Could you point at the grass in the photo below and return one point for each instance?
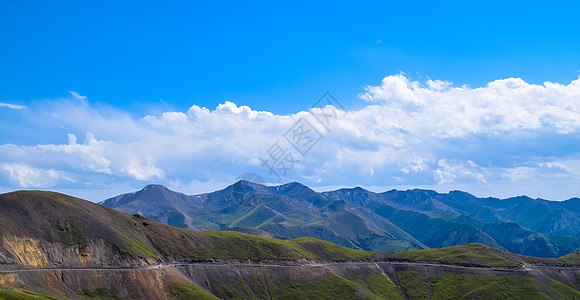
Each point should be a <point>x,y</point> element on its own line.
<point>200,223</point>
<point>255,218</point>
<point>559,290</point>
<point>190,291</point>
<point>262,287</point>
<point>232,214</point>
<point>228,290</point>
<point>97,293</point>
<point>303,216</point>
<point>235,245</point>
<point>135,244</point>
<point>468,286</point>
<point>336,252</point>
<point>468,254</point>
<point>413,284</point>
<point>382,286</point>
<point>57,201</point>
<point>12,295</point>
<point>572,258</point>
<point>330,286</point>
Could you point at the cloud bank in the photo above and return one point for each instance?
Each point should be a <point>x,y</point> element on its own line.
<point>491,139</point>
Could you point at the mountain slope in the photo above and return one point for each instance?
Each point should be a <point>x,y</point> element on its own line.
<point>360,219</point>
<point>440,220</point>
<point>51,230</point>
<point>543,216</point>
<point>83,233</point>
<point>287,211</point>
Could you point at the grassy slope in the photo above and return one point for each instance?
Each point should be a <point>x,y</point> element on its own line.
<point>469,254</point>
<point>559,290</point>
<point>23,295</point>
<point>572,258</point>
<point>413,284</point>
<point>327,286</point>
<point>332,251</point>
<point>190,291</point>
<point>382,286</point>
<point>75,222</point>
<point>467,286</point>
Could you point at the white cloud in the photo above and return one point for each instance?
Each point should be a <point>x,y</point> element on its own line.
<point>502,105</point>
<point>518,173</point>
<point>438,85</point>
<point>24,176</point>
<point>143,169</point>
<point>12,106</point>
<point>78,96</point>
<point>450,171</point>
<point>410,133</point>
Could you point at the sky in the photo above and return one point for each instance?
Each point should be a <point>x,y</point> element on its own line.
<point>99,98</point>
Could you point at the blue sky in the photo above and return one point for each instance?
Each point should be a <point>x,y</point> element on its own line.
<point>129,63</point>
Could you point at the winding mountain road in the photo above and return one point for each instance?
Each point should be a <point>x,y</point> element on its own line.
<point>523,268</point>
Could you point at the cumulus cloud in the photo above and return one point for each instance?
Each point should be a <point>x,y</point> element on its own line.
<point>502,105</point>
<point>410,133</point>
<point>24,176</point>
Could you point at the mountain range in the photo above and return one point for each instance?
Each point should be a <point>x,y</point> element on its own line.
<point>54,246</point>
<point>360,219</point>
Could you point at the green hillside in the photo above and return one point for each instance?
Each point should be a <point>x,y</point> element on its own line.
<point>469,254</point>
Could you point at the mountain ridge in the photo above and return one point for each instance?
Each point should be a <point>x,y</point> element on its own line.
<point>293,209</point>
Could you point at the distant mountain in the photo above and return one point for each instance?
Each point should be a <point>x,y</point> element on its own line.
<point>520,225</point>
<point>157,202</point>
<point>543,216</point>
<point>361,219</point>
<point>287,211</point>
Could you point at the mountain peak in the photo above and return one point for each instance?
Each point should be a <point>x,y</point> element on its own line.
<point>356,189</point>
<point>152,195</point>
<point>292,188</point>
<point>247,182</point>
<point>155,187</point>
<point>243,185</point>
<point>294,184</point>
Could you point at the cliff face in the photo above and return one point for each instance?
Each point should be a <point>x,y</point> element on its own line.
<point>138,284</point>
<point>369,281</point>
